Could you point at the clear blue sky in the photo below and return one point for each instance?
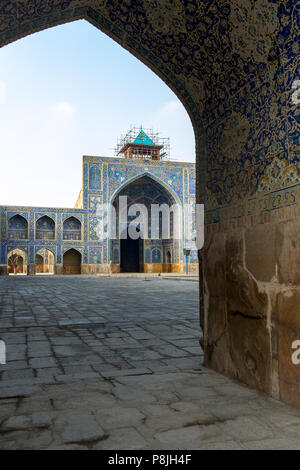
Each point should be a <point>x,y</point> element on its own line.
<point>70,91</point>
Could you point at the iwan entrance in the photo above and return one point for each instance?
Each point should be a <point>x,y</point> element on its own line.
<point>149,249</point>
<point>131,255</point>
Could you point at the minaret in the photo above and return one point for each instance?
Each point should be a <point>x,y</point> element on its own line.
<point>142,148</point>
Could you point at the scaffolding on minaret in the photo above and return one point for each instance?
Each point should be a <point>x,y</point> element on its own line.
<point>143,144</point>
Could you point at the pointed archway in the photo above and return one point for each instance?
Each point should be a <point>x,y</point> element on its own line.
<point>72,262</point>
<point>144,227</point>
<point>44,261</point>
<point>45,228</point>
<point>17,262</point>
<point>17,228</point>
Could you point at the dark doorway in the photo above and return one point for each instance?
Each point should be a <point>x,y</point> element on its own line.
<point>130,255</point>
<point>72,262</point>
<point>39,264</point>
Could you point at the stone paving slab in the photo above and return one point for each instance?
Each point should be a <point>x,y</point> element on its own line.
<point>78,323</point>
<point>115,363</point>
<point>111,414</point>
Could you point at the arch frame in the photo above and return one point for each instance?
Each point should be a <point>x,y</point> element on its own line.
<point>79,253</point>
<point>174,199</point>
<point>21,253</point>
<point>67,13</point>
<point>55,227</point>
<point>72,247</point>
<point>65,217</point>
<point>51,249</point>
<point>81,227</point>
<point>17,249</point>
<point>37,253</point>
<point>27,226</point>
<point>10,215</point>
<point>150,176</point>
<point>60,15</point>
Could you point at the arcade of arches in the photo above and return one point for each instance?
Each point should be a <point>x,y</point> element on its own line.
<point>44,262</point>
<point>235,67</point>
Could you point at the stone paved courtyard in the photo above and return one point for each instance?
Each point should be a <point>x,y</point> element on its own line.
<point>115,363</point>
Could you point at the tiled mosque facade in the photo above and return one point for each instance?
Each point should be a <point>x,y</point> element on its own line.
<point>84,229</point>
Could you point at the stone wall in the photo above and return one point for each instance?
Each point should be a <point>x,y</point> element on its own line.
<point>252,300</point>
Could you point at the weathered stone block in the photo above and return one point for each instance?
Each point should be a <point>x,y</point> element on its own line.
<point>249,346</point>
<point>237,339</point>
<point>80,427</point>
<point>217,349</point>
<point>31,269</point>
<point>3,269</point>
<point>58,269</point>
<point>288,331</point>
<point>260,252</point>
<point>288,252</point>
<point>215,265</point>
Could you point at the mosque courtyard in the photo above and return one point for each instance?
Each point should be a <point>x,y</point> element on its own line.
<point>95,362</point>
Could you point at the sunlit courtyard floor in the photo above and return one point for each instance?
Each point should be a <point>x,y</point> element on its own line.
<point>115,363</point>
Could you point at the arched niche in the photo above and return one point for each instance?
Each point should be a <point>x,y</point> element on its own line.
<point>44,261</point>
<point>45,228</point>
<point>72,261</point>
<point>72,229</point>
<point>17,262</point>
<point>17,228</point>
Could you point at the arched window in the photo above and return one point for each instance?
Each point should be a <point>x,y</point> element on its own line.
<point>17,228</point>
<point>45,228</point>
<point>156,255</point>
<point>72,229</point>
